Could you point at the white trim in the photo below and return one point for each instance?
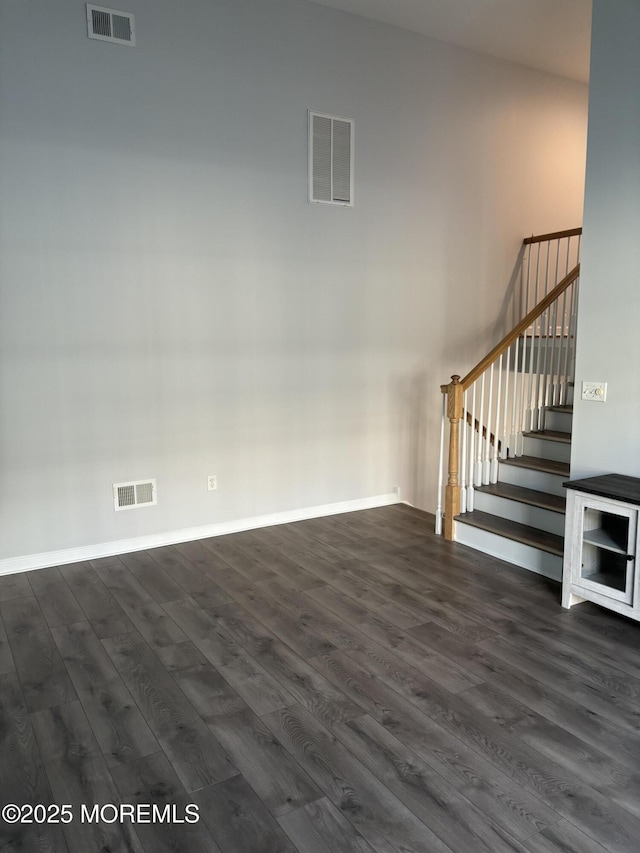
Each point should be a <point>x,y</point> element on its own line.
<point>12,565</point>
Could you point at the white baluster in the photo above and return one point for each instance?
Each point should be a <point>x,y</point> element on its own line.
<point>486,461</point>
<point>573,328</point>
<point>562,359</point>
<point>505,425</point>
<point>472,441</point>
<point>463,457</point>
<point>515,440</point>
<point>441,467</point>
<point>493,474</point>
<point>478,472</point>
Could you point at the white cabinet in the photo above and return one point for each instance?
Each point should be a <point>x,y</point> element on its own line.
<point>601,543</point>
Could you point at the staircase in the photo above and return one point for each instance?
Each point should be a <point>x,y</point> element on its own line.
<point>520,518</point>
<point>509,436</point>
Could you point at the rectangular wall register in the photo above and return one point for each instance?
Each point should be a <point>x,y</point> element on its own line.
<point>601,543</point>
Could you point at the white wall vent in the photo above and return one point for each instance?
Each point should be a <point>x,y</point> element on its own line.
<point>135,494</point>
<point>110,25</point>
<point>330,159</point>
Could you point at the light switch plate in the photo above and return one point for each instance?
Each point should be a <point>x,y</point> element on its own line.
<point>594,391</point>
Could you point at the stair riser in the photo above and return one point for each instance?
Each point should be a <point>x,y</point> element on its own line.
<point>549,565</point>
<point>543,448</point>
<point>560,421</point>
<point>532,479</point>
<point>533,516</point>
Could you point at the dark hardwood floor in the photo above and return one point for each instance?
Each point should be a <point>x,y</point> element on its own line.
<point>350,683</point>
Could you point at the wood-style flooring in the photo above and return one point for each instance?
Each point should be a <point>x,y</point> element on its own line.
<point>350,683</point>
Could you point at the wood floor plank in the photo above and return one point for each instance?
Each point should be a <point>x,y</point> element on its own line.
<point>197,757</point>
<point>78,775</point>
<point>195,582</point>
<point>233,583</point>
<point>23,779</point>
<point>223,548</point>
<point>239,820</point>
<point>581,758</point>
<point>39,666</point>
<point>7,664</point>
<point>559,708</point>
<point>201,557</point>
<point>301,680</point>
<point>395,645</point>
<point>180,656</point>
<point>616,655</point>
<point>372,809</point>
<point>621,710</point>
<point>209,692</point>
<point>320,828</point>
<point>605,674</point>
<point>277,562</point>
<point>289,628</point>
<point>563,837</point>
<point>148,617</point>
<point>504,801</point>
<point>432,603</point>
<point>102,611</point>
<point>541,776</point>
<point>374,596</point>
<point>116,721</point>
<point>317,563</point>
<point>246,676</point>
<point>453,818</point>
<point>57,602</point>
<point>152,781</point>
<point>280,782</point>
<point>391,533</point>
<point>14,586</point>
<point>150,574</point>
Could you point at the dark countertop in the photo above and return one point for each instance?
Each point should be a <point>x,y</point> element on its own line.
<point>617,487</point>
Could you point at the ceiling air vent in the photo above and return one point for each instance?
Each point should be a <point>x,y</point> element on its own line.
<point>135,494</point>
<point>110,25</point>
<point>330,159</point>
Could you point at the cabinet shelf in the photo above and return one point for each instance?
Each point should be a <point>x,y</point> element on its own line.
<point>602,538</point>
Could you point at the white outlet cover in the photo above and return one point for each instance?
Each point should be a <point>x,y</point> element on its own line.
<point>595,392</point>
<point>212,482</point>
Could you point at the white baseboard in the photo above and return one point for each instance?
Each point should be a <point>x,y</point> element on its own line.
<point>12,565</point>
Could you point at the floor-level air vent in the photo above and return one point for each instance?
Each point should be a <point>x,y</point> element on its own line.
<point>110,25</point>
<point>330,159</point>
<point>135,494</point>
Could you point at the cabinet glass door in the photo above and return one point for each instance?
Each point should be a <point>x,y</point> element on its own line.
<point>608,548</point>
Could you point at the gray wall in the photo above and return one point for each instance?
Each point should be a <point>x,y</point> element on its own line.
<point>606,437</point>
<point>171,306</point>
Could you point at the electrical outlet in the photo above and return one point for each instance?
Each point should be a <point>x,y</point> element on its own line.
<point>212,482</point>
<point>594,391</point>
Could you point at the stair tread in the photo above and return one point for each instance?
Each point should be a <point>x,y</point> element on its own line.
<point>531,536</point>
<point>549,466</point>
<point>550,435</point>
<point>566,409</point>
<point>544,500</point>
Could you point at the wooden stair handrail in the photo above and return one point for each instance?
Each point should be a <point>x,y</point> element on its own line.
<point>555,235</point>
<point>518,330</point>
